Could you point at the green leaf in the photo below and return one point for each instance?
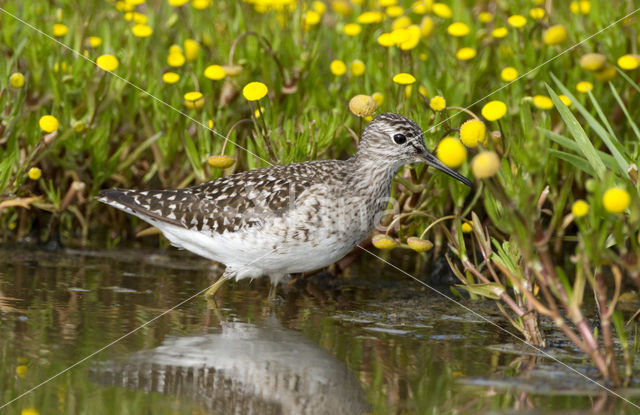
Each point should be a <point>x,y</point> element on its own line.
<point>632,123</point>
<point>607,159</point>
<point>610,141</point>
<point>574,160</point>
<point>584,144</point>
<point>193,156</point>
<point>491,290</point>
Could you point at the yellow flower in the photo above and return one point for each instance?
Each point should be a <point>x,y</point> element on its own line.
<point>467,227</point>
<point>194,100</point>
<point>543,102</point>
<point>442,10</point>
<point>508,74</point>
<point>401,22</point>
<point>499,32</point>
<point>426,26</point>
<point>378,97</point>
<point>170,77</point>
<point>34,173</point>
<point>319,7</point>
<point>582,7</point>
<point>585,6</point>
<point>629,62</point>
<point>123,6</point>
<point>177,3</point>
<point>21,371</point>
<point>399,35</point>
<point>451,152</point>
<point>337,67</point>
<point>394,11</point>
<point>592,61</point>
<point>191,49</point>
<point>254,91</point>
<point>136,17</point>
<point>517,21</point>
<point>220,162</point>
<point>419,245</point>
<point>385,39</point>
<point>437,103</point>
<point>383,242</point>
<point>414,38</point>
<point>408,89</point>
<point>175,49</point>
<point>494,110</point>
<point>616,200</point>
<point>341,7</point>
<point>357,67</point>
<point>370,17</point>
<point>472,132</point>
<point>16,80</point>
<point>485,164</point>
<point>176,59</point>
<point>215,72</point>
<point>537,13</point>
<point>465,54</point>
<point>311,18</point>
<point>565,100</point>
<point>420,7</point>
<point>555,35</point>
<point>584,86</point>
<point>29,411</point>
<point>48,123</point>
<point>107,62</point>
<point>485,17</point>
<point>579,208</point>
<point>458,29</point>
<point>404,78</point>
<point>201,4</point>
<point>60,29</point>
<point>95,41</point>
<point>78,126</point>
<point>352,29</point>
<point>141,30</point>
<point>363,105</point>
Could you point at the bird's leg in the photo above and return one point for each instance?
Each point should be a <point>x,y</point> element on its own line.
<point>212,290</point>
<point>273,288</point>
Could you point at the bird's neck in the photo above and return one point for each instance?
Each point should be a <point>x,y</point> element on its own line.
<point>372,173</point>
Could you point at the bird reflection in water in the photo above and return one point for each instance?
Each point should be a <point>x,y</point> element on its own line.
<point>243,369</point>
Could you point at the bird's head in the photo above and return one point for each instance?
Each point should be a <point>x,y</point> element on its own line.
<point>396,140</point>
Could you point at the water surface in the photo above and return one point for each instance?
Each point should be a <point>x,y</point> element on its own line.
<point>372,341</point>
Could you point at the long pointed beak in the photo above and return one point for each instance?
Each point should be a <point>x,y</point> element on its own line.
<point>433,161</point>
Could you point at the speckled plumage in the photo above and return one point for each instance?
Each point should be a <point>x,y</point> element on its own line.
<point>287,218</point>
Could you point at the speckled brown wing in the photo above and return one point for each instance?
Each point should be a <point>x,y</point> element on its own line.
<point>231,203</point>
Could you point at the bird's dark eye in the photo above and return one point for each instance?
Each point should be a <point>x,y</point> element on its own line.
<point>399,138</point>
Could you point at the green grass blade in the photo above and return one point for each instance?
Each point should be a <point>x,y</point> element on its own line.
<point>607,159</point>
<point>574,160</point>
<point>632,123</point>
<point>628,79</point>
<point>608,140</point>
<point>585,146</point>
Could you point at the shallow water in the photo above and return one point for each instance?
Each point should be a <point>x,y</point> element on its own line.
<point>372,341</point>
